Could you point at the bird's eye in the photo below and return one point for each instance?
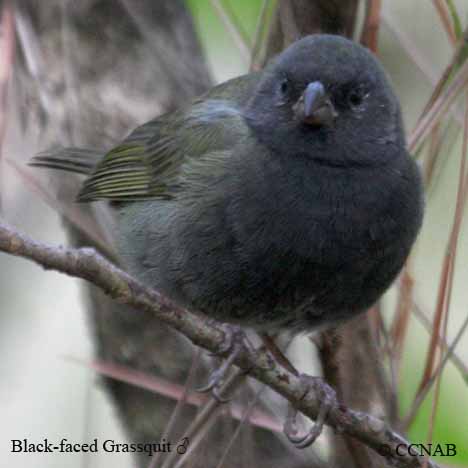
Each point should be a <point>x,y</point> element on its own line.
<point>284,87</point>
<point>355,97</point>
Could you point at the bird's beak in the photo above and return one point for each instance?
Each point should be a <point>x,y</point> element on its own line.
<point>314,106</point>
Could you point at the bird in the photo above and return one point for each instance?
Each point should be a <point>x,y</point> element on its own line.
<point>283,199</point>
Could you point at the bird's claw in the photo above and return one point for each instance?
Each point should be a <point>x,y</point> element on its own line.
<point>327,399</point>
<point>230,334</point>
<point>216,379</point>
<point>233,343</point>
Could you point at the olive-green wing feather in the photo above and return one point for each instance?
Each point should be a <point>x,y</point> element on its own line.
<point>147,164</point>
<point>122,174</point>
<point>77,160</point>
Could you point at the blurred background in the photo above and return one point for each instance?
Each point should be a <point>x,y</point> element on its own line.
<point>47,389</point>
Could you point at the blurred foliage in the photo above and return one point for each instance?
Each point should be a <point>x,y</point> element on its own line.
<point>208,23</point>
<point>451,419</point>
<point>220,48</point>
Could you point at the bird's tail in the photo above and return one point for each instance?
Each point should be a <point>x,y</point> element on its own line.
<point>77,160</point>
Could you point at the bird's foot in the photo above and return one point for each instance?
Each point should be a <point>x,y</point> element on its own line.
<point>234,342</point>
<point>327,398</point>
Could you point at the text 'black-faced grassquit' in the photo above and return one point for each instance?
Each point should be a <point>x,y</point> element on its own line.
<point>283,199</point>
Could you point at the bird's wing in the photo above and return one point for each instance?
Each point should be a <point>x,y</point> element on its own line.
<point>147,164</point>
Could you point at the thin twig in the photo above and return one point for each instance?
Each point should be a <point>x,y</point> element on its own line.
<point>259,49</point>
<point>444,296</point>
<point>178,407</point>
<point>423,319</point>
<point>435,145</point>
<point>173,391</point>
<point>444,15</point>
<point>445,289</point>
<point>456,61</point>
<point>424,65</point>
<point>392,402</point>
<point>72,212</point>
<point>199,424</point>
<point>402,315</point>
<point>288,22</point>
<point>457,26</point>
<point>33,59</point>
<point>7,56</point>
<point>237,24</point>
<point>245,417</point>
<point>440,107</point>
<point>72,100</point>
<point>87,264</point>
<point>409,418</point>
<point>407,43</point>
<point>240,41</point>
<point>259,33</point>
<point>370,31</point>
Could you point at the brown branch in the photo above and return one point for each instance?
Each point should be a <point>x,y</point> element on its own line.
<point>432,116</point>
<point>173,391</point>
<point>444,15</point>
<point>370,31</point>
<point>87,264</point>
<point>260,29</point>
<point>413,411</point>
<point>297,18</point>
<point>7,56</point>
<point>401,321</point>
<point>426,322</point>
<point>237,34</point>
<point>351,365</point>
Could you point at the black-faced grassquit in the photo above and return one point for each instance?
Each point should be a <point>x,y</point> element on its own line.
<point>279,199</point>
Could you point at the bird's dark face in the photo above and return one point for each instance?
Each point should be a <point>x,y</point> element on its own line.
<point>328,99</point>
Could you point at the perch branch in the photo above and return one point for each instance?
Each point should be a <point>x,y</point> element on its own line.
<point>87,264</point>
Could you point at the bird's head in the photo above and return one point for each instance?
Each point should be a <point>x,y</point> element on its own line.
<point>328,99</point>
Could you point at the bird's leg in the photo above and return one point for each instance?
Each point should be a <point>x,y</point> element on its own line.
<point>234,342</point>
<point>327,401</point>
<point>327,398</point>
<point>270,344</point>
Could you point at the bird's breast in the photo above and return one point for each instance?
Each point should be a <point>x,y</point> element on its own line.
<point>330,238</point>
<point>328,216</point>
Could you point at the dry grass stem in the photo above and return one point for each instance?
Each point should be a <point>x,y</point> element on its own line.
<point>444,15</point>
<point>370,32</point>
<point>240,41</point>
<point>7,56</point>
